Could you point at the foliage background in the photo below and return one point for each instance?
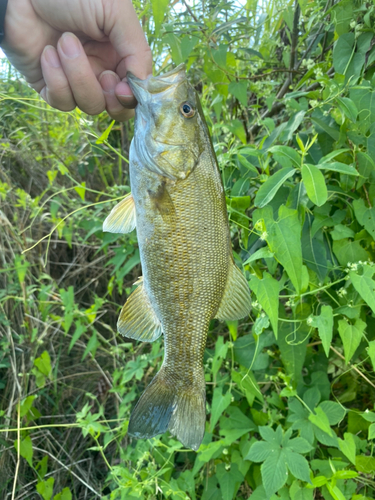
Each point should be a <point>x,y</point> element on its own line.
<point>288,92</point>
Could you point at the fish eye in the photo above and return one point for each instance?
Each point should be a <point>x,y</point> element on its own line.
<point>187,110</point>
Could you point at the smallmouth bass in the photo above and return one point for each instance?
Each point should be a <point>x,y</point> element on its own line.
<point>177,204</point>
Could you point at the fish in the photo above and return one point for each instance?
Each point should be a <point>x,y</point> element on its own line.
<point>177,205</point>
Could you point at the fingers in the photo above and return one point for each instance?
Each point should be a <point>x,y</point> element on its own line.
<point>85,88</point>
<point>108,81</point>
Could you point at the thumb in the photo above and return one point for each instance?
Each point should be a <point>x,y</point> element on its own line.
<point>127,37</point>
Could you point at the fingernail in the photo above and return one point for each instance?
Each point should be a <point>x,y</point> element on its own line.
<point>108,81</point>
<point>51,57</point>
<point>123,89</point>
<point>70,45</point>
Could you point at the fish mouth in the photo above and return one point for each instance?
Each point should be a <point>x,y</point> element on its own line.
<point>156,84</point>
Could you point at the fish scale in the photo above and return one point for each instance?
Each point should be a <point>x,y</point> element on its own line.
<point>189,276</point>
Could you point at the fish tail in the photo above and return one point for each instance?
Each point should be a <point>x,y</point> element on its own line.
<point>169,404</point>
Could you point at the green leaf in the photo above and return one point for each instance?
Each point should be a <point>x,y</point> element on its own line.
<point>299,445</point>
<point>102,139</point>
<point>340,232</point>
<point>43,363</point>
<point>371,431</point>
<point>291,156</point>
<point>365,285</point>
<point>320,419</point>
<point>324,324</point>
<point>315,184</point>
<point>64,494</point>
<point>45,488</point>
<point>92,345</point>
<point>343,52</point>
<point>365,464</point>
<point>284,240</point>
<point>351,336</point>
<point>239,90</point>
<point>26,449</point>
<point>274,472</point>
<point>159,9</point>
<point>334,411</point>
<point>260,451</point>
<point>348,107</point>
<point>219,405</point>
<point>268,190</point>
<point>262,253</point>
<point>228,479</point>
<point>336,166</point>
<point>267,293</point>
<point>21,265</point>
<point>297,465</point>
<point>292,342</point>
<point>371,352</point>
<point>348,447</point>
<point>349,251</point>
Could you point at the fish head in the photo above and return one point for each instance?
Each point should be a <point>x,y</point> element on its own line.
<point>169,129</point>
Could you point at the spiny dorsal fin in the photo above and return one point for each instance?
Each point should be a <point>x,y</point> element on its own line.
<point>138,319</point>
<point>236,301</point>
<point>122,217</point>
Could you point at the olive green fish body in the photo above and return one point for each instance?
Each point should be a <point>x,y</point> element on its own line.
<point>188,272</point>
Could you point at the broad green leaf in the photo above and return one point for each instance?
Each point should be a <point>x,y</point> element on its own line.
<point>267,293</point>
<point>351,336</point>
<point>334,411</point>
<point>336,166</point>
<point>343,52</point>
<point>219,405</point>
<point>333,154</point>
<point>366,166</point>
<point>313,250</point>
<point>43,363</point>
<point>64,494</point>
<point>365,285</point>
<point>359,211</point>
<point>228,479</point>
<point>239,90</point>
<point>348,447</point>
<point>349,251</point>
<point>348,107</point>
<point>45,488</point>
<point>340,232</point>
<point>298,465</point>
<point>320,419</point>
<point>289,154</point>
<point>292,125</point>
<point>284,240</point>
<point>26,449</point>
<point>363,97</point>
<point>262,253</point>
<point>371,431</point>
<point>261,450</point>
<point>159,9</point>
<point>299,445</point>
<point>26,405</point>
<point>268,190</point>
<point>365,464</point>
<point>21,265</point>
<point>324,324</point>
<point>292,342</point>
<point>371,352</point>
<point>274,472</point>
<point>315,184</point>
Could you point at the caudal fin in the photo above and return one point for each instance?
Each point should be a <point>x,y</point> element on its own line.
<point>168,404</point>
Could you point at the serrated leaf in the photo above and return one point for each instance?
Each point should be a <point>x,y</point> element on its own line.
<point>336,166</point>
<point>351,336</point>
<point>239,90</point>
<point>348,447</point>
<point>298,465</point>
<point>268,190</point>
<point>267,293</point>
<point>315,184</point>
<point>324,324</point>
<point>320,419</point>
<point>274,472</point>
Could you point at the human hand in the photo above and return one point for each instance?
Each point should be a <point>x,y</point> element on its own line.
<point>77,52</point>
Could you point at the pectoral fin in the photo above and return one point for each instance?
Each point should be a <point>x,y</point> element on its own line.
<point>138,319</point>
<point>163,203</point>
<point>122,217</point>
<point>236,301</point>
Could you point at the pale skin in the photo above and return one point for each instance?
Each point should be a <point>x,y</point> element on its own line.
<point>78,52</point>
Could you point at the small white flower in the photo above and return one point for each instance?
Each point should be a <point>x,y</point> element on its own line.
<point>264,236</point>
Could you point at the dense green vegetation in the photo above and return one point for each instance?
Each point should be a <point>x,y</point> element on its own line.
<point>288,90</point>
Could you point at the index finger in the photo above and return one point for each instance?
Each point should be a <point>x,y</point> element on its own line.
<point>127,37</point>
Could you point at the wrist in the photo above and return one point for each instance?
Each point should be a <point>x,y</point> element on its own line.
<point>3,8</point>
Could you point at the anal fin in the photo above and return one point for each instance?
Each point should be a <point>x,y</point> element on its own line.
<point>138,319</point>
<point>236,301</point>
<point>122,217</point>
